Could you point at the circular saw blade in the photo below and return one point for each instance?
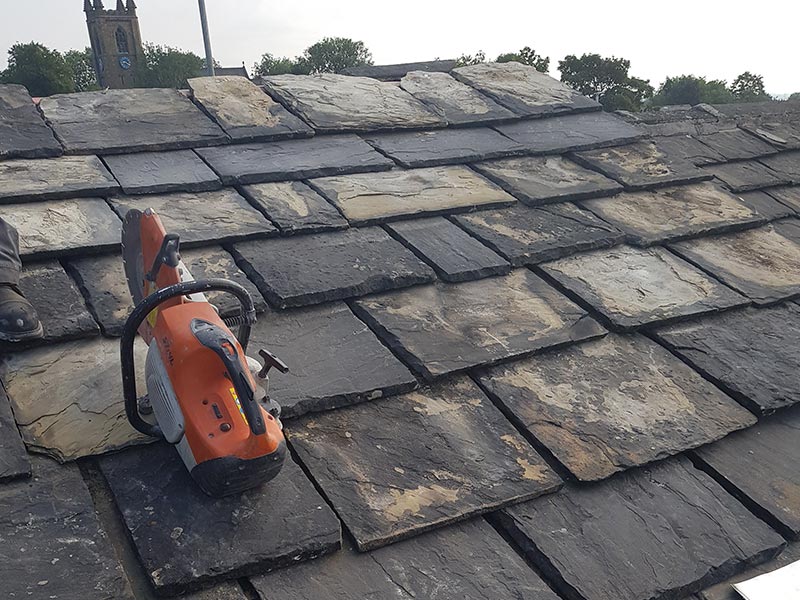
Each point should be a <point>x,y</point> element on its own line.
<point>132,257</point>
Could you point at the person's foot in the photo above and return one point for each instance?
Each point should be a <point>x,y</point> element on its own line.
<point>18,319</point>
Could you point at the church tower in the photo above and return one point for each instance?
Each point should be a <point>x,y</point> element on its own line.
<point>116,42</point>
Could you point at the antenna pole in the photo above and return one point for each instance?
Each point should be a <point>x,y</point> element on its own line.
<point>206,38</point>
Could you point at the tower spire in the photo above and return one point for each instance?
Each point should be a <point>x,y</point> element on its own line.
<point>132,7</point>
<point>87,6</point>
<point>98,5</point>
<point>120,6</point>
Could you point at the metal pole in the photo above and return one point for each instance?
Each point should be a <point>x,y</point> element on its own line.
<point>206,38</point>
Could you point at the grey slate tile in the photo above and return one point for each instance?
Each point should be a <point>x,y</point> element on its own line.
<point>444,328</point>
<point>607,405</point>
<point>725,591</point>
<point>786,165</point>
<point>452,252</point>
<point>464,561</point>
<point>528,236</point>
<point>202,217</point>
<point>781,131</point>
<point>456,102</point>
<point>340,103</point>
<point>752,355</point>
<point>537,180</point>
<point>121,121</point>
<point>160,172</point>
<point>672,213</point>
<point>641,166</point>
<point>397,71</point>
<point>631,287</point>
<point>297,271</point>
<point>370,198</point>
<point>763,264</point>
<point>62,227</point>
<point>294,207</point>
<point>224,591</point>
<point>523,89</point>
<point>690,148</point>
<point>759,466</point>
<point>737,144</point>
<point>401,466</point>
<point>53,543</point>
<point>790,196</point>
<point>767,204</point>
<point>444,146</point>
<point>294,159</point>
<point>244,110</point>
<point>746,175</point>
<point>658,533</point>
<point>571,133</point>
<point>102,281</point>
<point>14,460</point>
<point>171,521</point>
<point>52,178</point>
<point>23,133</point>
<point>333,358</point>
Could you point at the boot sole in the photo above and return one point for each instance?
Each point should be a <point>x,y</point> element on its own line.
<point>26,336</point>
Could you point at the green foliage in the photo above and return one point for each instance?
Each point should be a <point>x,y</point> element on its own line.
<point>43,71</point>
<point>606,80</point>
<point>469,59</point>
<point>748,87</point>
<point>527,56</point>
<point>167,67</point>
<point>81,63</point>
<point>689,89</point>
<point>332,55</point>
<point>271,65</point>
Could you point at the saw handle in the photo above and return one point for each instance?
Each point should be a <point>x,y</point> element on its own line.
<point>141,312</point>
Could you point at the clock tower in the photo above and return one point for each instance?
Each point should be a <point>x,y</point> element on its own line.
<point>116,42</point>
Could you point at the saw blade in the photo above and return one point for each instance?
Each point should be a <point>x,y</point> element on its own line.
<point>132,257</point>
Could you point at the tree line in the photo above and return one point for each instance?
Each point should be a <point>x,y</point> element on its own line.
<point>606,79</point>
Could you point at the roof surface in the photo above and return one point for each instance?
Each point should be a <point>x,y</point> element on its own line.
<point>537,350</point>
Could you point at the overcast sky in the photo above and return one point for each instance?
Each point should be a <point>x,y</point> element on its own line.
<point>714,38</point>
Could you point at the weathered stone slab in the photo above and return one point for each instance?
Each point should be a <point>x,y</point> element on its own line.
<point>786,165</point>
<point>443,328</point>
<point>746,175</point>
<point>340,103</point>
<point>294,207</point>
<point>538,180</point>
<point>466,560</point>
<point>658,533</point>
<point>436,147</point>
<point>135,120</point>
<point>14,461</point>
<point>632,287</point>
<point>102,281</point>
<point>61,308</point>
<point>53,544</point>
<point>782,131</point>
<point>334,360</point>
<point>454,101</point>
<point>760,467</point>
<point>51,178</point>
<point>527,236</point>
<point>224,591</point>
<point>172,522</point>
<point>753,355</point>
<point>689,148</point>
<point>790,196</point>
<point>298,271</point>
<point>202,217</point>
<point>59,227</point>
<point>294,159</point>
<point>160,172</point>
<point>763,264</point>
<point>665,214</point>
<point>370,198</point>
<point>523,89</point>
<point>571,132</point>
<point>725,591</point>
<point>398,467</point>
<point>67,398</point>
<point>615,403</point>
<point>452,252</point>
<point>766,205</point>
<point>244,111</point>
<point>23,133</point>
<point>641,166</point>
<point>736,144</point>
<point>397,71</point>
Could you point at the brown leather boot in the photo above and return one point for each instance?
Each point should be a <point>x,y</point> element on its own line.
<point>18,319</point>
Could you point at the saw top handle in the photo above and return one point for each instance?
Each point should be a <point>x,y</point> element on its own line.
<point>141,312</point>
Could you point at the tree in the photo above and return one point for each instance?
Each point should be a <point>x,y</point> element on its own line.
<point>81,63</point>
<point>606,80</point>
<point>749,87</point>
<point>334,54</point>
<point>43,71</point>
<point>271,65</point>
<point>795,97</point>
<point>468,59</point>
<point>527,56</point>
<point>168,67</point>
<point>689,89</point>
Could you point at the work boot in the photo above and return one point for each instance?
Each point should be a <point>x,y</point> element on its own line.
<point>18,319</point>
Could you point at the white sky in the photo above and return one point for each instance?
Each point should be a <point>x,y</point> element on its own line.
<point>715,38</point>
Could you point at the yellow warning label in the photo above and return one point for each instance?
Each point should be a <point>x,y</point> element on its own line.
<point>238,405</point>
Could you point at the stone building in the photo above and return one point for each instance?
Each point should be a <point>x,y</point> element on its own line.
<point>116,42</point>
